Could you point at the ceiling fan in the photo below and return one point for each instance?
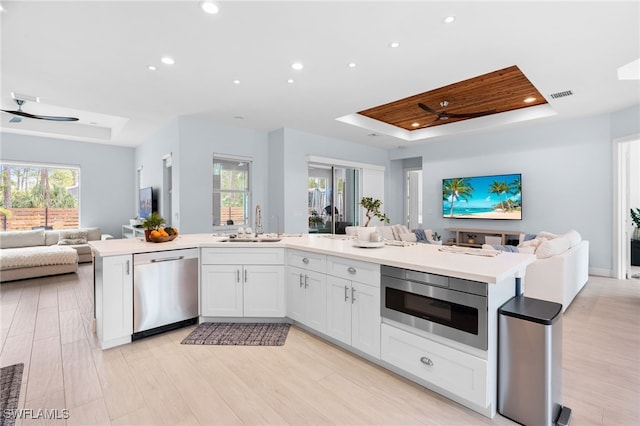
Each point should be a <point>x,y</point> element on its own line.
<point>444,115</point>
<point>19,113</point>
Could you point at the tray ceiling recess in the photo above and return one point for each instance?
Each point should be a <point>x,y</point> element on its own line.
<point>497,92</point>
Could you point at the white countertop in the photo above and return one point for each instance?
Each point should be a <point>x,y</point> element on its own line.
<point>421,257</point>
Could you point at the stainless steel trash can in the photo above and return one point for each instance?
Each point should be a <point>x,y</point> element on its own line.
<point>530,362</point>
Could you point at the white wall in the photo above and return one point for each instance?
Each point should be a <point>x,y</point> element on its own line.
<point>297,146</point>
<point>107,177</point>
<point>566,178</point>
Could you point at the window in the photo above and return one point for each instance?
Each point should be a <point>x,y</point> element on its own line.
<point>39,196</point>
<point>231,194</point>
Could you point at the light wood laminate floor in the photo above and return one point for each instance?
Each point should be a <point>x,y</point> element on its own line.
<point>46,324</point>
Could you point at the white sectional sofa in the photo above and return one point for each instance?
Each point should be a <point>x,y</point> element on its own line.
<point>561,269</point>
<point>37,253</point>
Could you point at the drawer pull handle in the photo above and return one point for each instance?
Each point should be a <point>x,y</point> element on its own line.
<point>426,361</point>
<point>305,260</point>
<point>306,281</point>
<point>351,270</point>
<point>353,295</point>
<point>301,281</point>
<point>346,293</point>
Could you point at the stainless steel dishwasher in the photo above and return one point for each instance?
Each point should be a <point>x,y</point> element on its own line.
<point>165,291</point>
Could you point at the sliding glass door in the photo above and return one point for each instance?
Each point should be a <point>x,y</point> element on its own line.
<point>333,195</point>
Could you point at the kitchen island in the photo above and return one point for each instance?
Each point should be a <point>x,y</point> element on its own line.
<point>331,288</point>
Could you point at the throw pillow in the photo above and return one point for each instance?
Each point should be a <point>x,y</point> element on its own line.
<point>574,237</point>
<point>386,232</point>
<point>409,237</point>
<point>72,237</point>
<point>552,247</point>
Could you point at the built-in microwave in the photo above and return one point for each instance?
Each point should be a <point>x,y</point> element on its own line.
<point>446,306</point>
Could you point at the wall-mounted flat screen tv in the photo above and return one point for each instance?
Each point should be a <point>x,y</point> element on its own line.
<point>146,202</point>
<point>483,197</point>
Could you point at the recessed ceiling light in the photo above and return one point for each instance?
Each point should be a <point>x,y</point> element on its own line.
<point>290,80</point>
<point>209,7</point>
<point>167,60</point>
<point>394,44</point>
<point>151,68</point>
<point>297,66</point>
<point>449,19</point>
<point>352,64</point>
<point>529,99</point>
<point>415,124</point>
<point>236,81</point>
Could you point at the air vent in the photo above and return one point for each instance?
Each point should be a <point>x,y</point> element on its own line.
<point>561,94</point>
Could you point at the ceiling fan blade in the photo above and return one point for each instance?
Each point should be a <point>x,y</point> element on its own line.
<point>39,117</point>
<point>56,118</point>
<point>471,114</point>
<point>428,109</point>
<point>20,113</point>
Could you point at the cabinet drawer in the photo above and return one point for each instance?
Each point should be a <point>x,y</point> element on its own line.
<point>356,270</point>
<point>243,256</point>
<point>307,260</point>
<point>457,372</point>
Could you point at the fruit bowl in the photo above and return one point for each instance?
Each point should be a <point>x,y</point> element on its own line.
<point>162,239</point>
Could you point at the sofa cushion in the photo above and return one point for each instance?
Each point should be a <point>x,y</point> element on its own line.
<point>93,233</point>
<point>553,247</point>
<point>14,239</point>
<point>27,257</point>
<point>71,237</point>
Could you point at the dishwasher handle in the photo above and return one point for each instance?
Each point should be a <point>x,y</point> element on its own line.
<point>168,259</point>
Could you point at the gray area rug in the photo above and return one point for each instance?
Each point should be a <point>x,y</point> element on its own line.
<point>10,381</point>
<point>238,334</point>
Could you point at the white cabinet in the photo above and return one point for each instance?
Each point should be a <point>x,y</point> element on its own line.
<point>353,307</point>
<point>252,286</point>
<point>462,374</point>
<point>114,299</point>
<point>306,294</point>
<point>306,288</point>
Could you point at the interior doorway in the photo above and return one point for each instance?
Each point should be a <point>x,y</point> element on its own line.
<point>413,198</point>
<point>626,196</point>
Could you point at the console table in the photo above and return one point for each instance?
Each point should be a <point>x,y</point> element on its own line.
<point>130,231</point>
<point>483,236</point>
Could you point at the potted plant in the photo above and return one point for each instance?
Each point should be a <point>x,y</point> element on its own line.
<point>437,239</point>
<point>471,238</point>
<point>315,221</point>
<point>372,208</point>
<point>635,217</point>
<point>152,222</point>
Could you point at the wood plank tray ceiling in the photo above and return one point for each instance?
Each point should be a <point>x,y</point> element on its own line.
<point>498,91</point>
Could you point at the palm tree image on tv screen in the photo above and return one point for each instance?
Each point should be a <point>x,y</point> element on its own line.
<point>483,197</point>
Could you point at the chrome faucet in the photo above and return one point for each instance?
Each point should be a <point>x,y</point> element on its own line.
<point>258,218</point>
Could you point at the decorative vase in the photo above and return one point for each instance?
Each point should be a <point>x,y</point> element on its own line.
<point>471,240</point>
<point>636,234</point>
<point>147,235</point>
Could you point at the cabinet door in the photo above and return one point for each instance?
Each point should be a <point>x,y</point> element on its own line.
<point>263,291</point>
<point>365,318</point>
<point>116,295</point>
<point>339,309</point>
<point>295,293</point>
<point>315,285</point>
<point>221,291</point>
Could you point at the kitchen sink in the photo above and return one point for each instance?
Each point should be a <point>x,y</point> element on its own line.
<point>250,240</point>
